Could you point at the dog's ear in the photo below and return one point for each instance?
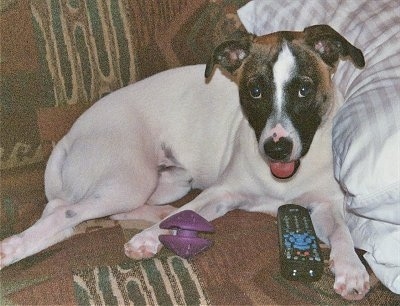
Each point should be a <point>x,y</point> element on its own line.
<point>230,55</point>
<point>331,45</point>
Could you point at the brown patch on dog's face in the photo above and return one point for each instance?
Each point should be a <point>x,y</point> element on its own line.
<point>277,37</point>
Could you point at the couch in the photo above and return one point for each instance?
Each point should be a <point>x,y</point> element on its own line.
<point>57,58</point>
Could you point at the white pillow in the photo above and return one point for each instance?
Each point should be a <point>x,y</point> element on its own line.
<point>366,133</point>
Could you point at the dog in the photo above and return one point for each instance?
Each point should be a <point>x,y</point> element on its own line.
<point>254,134</point>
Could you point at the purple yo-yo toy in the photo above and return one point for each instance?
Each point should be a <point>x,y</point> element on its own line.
<point>185,241</point>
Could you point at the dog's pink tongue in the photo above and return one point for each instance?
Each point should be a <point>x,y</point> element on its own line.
<point>282,170</point>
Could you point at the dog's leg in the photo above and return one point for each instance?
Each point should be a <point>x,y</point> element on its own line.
<point>210,204</point>
<point>151,213</point>
<point>48,230</point>
<point>351,277</point>
<point>173,184</point>
<point>59,219</point>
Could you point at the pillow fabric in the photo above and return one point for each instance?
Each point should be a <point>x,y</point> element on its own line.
<point>366,132</point>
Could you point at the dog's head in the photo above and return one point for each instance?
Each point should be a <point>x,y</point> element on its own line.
<point>285,87</point>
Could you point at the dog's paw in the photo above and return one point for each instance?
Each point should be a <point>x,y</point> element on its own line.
<point>144,244</point>
<point>351,278</point>
<point>11,250</point>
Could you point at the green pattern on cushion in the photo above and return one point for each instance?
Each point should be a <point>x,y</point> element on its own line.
<point>88,49</point>
<point>165,280</point>
<point>85,59</point>
<point>61,46</point>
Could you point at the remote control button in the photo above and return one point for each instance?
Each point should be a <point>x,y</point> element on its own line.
<point>301,247</point>
<point>301,242</point>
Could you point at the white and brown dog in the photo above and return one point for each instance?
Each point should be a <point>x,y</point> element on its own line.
<point>147,144</point>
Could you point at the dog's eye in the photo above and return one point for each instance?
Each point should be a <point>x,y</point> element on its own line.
<point>255,88</point>
<point>255,92</point>
<point>305,90</point>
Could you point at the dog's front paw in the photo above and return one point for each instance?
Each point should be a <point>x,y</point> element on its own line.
<point>11,250</point>
<point>144,244</point>
<point>351,278</point>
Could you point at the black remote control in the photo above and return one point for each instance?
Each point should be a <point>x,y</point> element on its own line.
<point>300,254</point>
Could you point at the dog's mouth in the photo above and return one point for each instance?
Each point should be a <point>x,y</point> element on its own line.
<point>284,170</point>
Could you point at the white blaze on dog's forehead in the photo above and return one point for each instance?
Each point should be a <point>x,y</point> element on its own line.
<point>282,71</point>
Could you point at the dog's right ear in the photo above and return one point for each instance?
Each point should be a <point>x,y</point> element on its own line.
<point>230,55</point>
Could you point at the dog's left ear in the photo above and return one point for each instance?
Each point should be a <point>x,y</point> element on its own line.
<point>230,55</point>
<point>331,45</point>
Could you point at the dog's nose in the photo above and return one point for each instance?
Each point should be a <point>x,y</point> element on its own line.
<point>278,150</point>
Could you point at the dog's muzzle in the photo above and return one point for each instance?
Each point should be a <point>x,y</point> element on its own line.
<point>278,153</point>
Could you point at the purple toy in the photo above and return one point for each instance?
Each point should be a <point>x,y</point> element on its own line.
<point>185,242</point>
